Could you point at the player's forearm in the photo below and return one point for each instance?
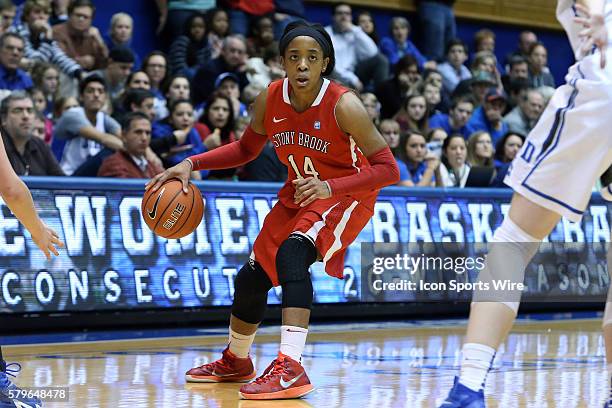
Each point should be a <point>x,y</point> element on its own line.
<point>19,200</point>
<point>383,171</point>
<point>232,154</point>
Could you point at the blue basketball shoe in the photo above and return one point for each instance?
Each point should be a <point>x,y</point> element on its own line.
<point>10,396</point>
<point>461,396</point>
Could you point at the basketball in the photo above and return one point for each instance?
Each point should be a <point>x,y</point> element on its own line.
<point>169,212</point>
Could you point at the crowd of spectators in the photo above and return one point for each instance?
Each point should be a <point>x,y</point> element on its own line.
<point>78,102</point>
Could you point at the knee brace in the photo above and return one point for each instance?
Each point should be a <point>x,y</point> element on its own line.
<point>251,288</point>
<point>509,242</point>
<point>294,257</point>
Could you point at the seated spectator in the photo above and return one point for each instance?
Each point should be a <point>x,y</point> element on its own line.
<point>398,45</point>
<point>155,65</point>
<point>132,161</point>
<point>120,64</point>
<point>505,151</point>
<point>477,87</point>
<point>141,101</point>
<point>484,40</point>
<point>87,131</point>
<point>12,78</point>
<point>40,107</point>
<point>28,155</point>
<point>539,74</point>
<point>517,68</point>
<point>135,100</point>
<point>62,104</point>
<point>488,117</point>
<point>420,163</point>
<point>217,24</point>
<point>190,50</point>
<point>242,13</point>
<point>370,102</point>
<point>390,131</point>
<point>138,80</point>
<point>232,59</point>
<point>227,85</point>
<point>507,148</point>
<point>392,92</point>
<point>524,117</point>
<point>453,71</point>
<point>457,119</point>
<point>173,14</point>
<point>216,128</point>
<point>486,61</point>
<point>432,97</point>
<point>40,130</point>
<point>176,87</point>
<point>366,22</point>
<point>413,115</point>
<point>435,140</point>
<point>526,40</point>
<point>517,89</point>
<point>180,119</point>
<point>433,77</point>
<point>453,171</point>
<point>79,39</point>
<point>8,10</point>
<point>262,36</point>
<point>38,39</point>
<point>480,150</point>
<point>262,71</point>
<point>357,58</point>
<point>120,34</point>
<point>46,78</point>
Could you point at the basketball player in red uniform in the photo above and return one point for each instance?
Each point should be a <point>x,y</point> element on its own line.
<point>337,162</point>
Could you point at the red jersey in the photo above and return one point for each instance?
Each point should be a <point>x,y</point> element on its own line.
<point>310,143</point>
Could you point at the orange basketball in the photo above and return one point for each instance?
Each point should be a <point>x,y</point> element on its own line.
<point>169,212</point>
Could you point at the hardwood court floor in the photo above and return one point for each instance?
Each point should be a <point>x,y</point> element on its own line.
<point>549,363</point>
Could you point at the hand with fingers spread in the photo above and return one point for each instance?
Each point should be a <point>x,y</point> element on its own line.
<point>594,32</point>
<point>47,240</point>
<point>309,189</point>
<point>181,171</point>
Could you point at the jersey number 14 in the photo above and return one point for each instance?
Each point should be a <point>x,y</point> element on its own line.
<point>309,170</point>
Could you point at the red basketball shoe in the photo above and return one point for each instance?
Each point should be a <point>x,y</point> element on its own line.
<point>227,369</point>
<point>284,378</point>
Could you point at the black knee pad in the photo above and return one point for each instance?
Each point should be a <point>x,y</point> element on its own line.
<point>251,288</point>
<point>294,257</point>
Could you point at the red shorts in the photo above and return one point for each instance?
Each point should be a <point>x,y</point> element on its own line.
<point>333,224</point>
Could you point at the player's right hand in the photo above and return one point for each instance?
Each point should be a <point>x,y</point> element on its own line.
<point>47,240</point>
<point>594,32</point>
<point>181,171</point>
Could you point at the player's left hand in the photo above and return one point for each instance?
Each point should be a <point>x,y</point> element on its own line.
<point>594,32</point>
<point>309,189</point>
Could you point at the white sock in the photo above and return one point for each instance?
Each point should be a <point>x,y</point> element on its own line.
<point>239,344</point>
<point>475,364</point>
<point>293,340</point>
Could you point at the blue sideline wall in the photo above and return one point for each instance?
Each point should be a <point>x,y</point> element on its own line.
<point>146,17</point>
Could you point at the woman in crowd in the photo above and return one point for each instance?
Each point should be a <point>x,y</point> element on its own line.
<point>453,171</point>
<point>262,36</point>
<point>46,77</point>
<point>370,101</point>
<point>155,65</point>
<point>421,164</point>
<point>480,150</point>
<point>398,44</point>
<point>414,114</point>
<point>539,74</point>
<point>366,22</point>
<point>190,50</point>
<point>505,151</point>
<point>121,33</point>
<point>390,131</point>
<point>180,119</point>
<point>217,22</point>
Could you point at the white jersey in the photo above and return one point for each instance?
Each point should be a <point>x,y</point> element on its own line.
<point>566,11</point>
<point>571,145</point>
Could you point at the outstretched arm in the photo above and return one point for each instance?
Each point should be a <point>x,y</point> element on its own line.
<point>19,200</point>
<point>229,156</point>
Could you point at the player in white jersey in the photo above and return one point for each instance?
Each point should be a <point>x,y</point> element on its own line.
<point>552,176</point>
